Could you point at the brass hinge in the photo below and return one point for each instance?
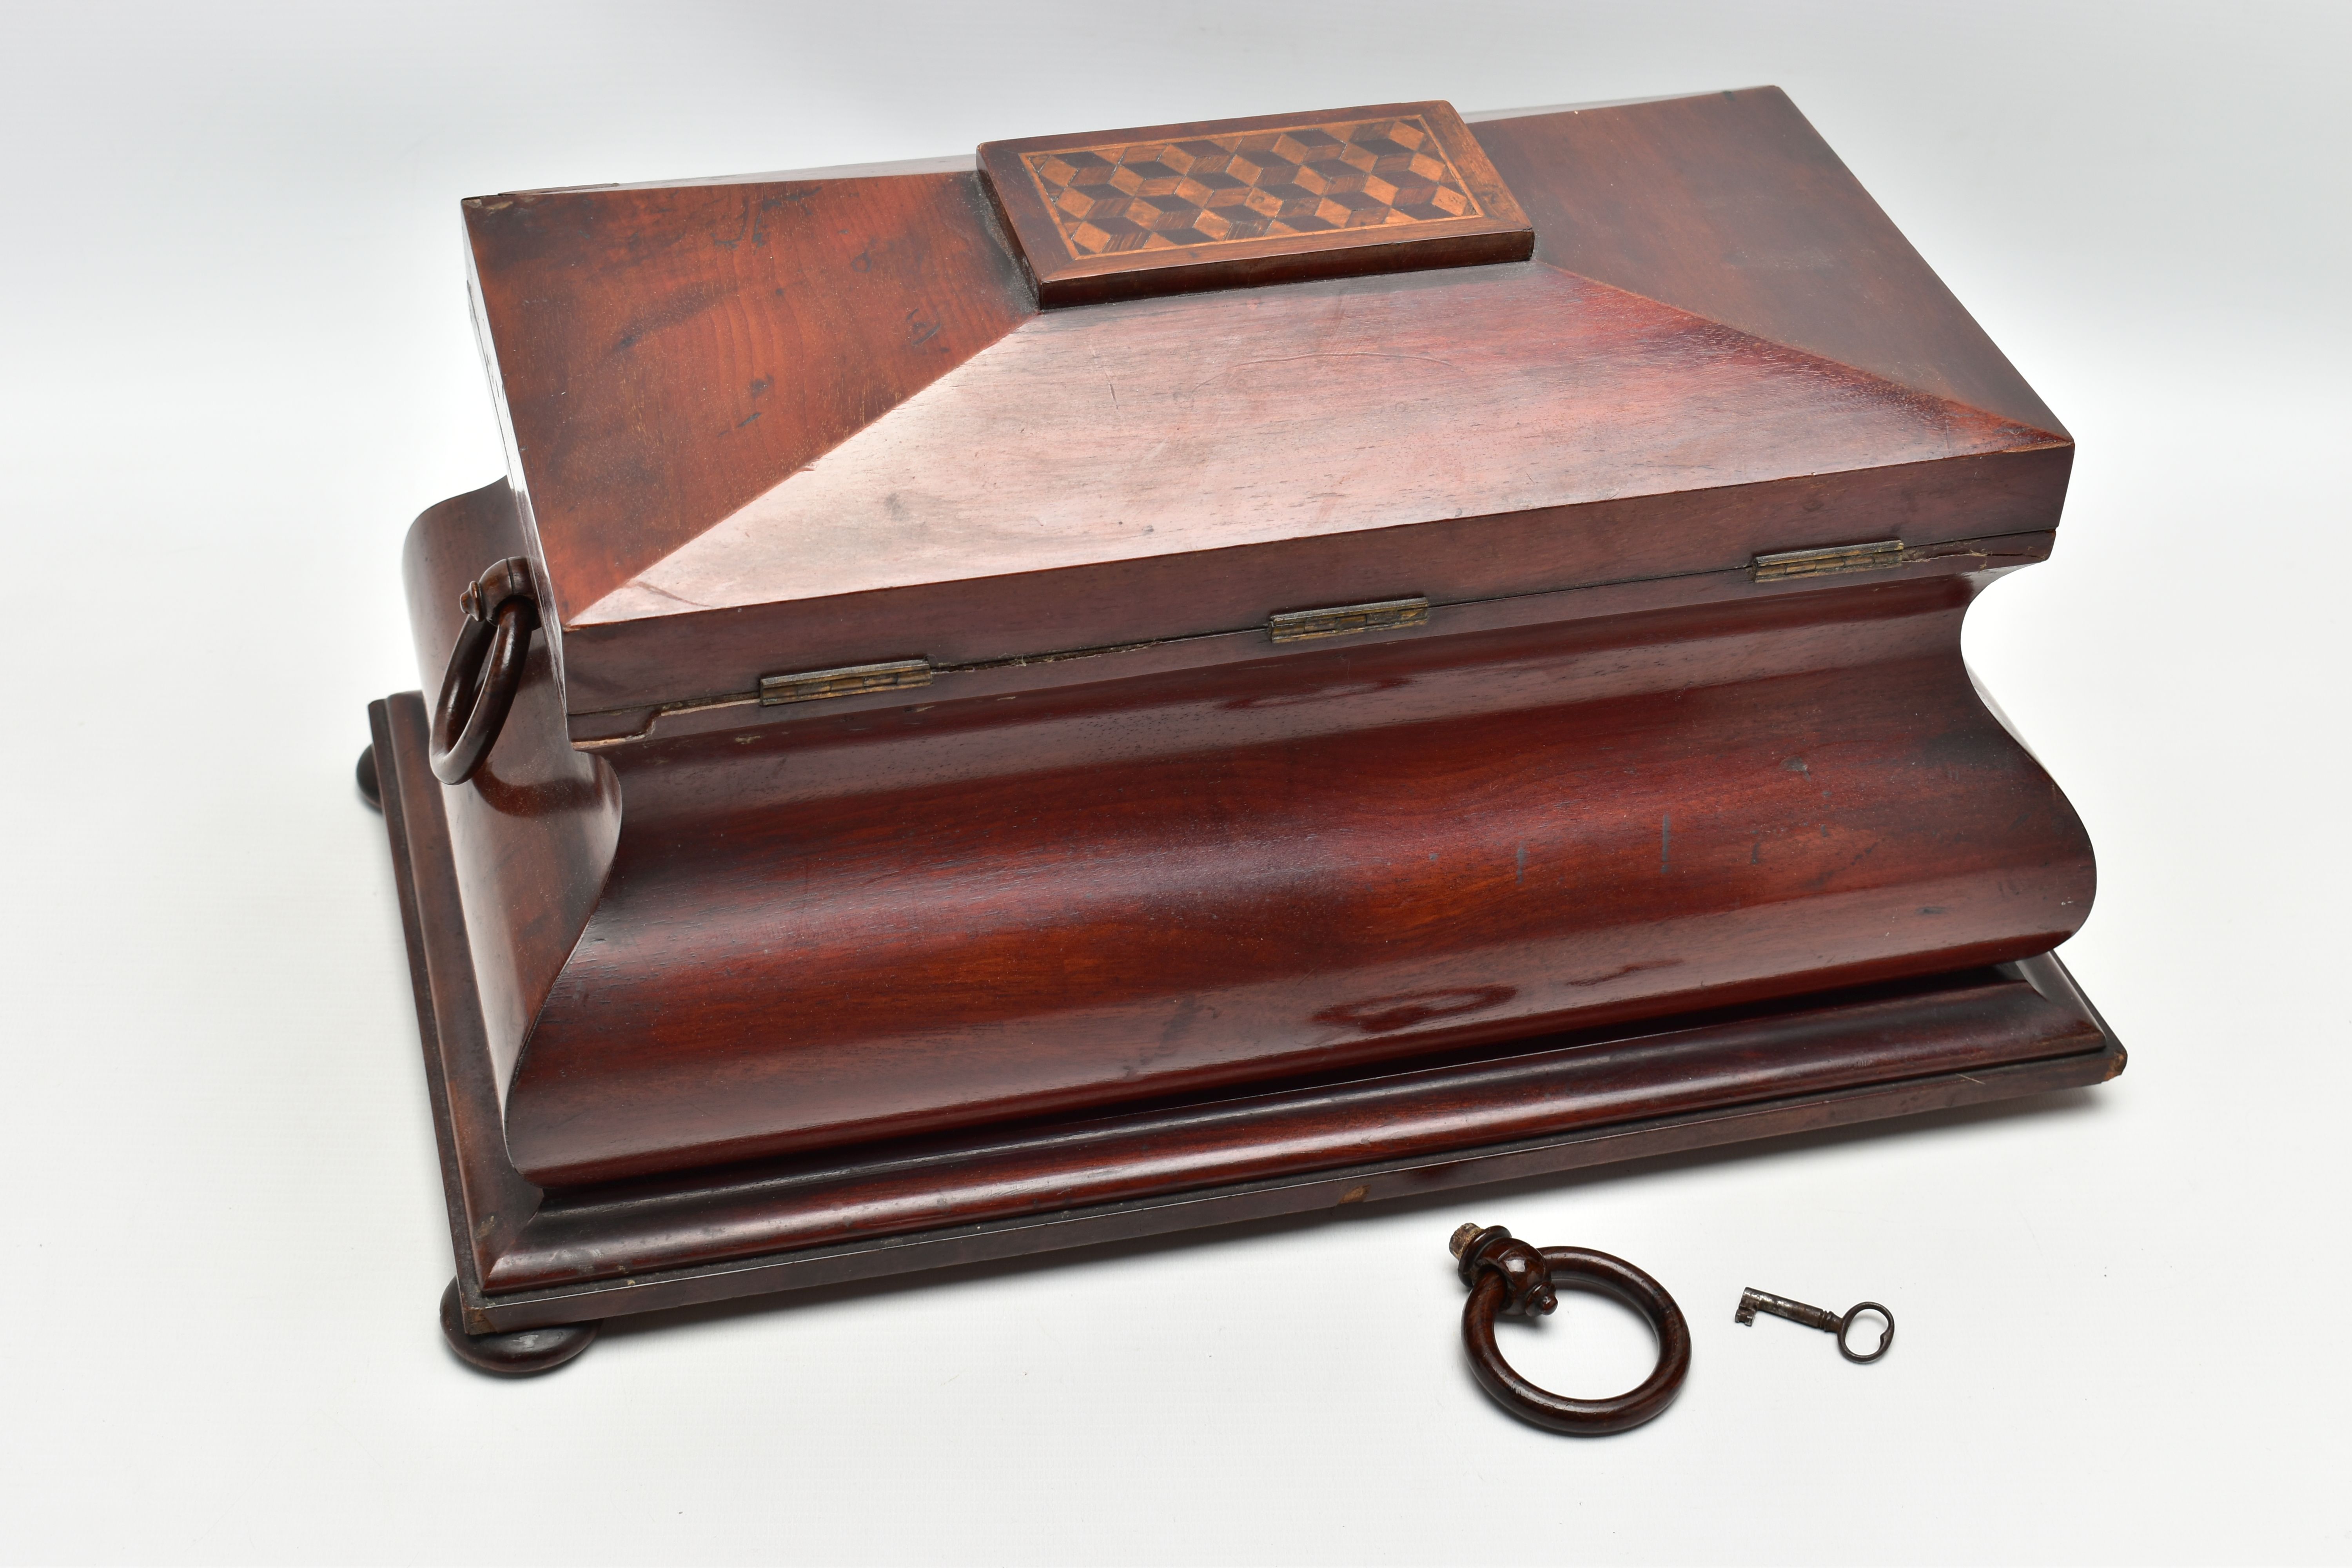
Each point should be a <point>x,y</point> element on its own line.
<point>850,680</point>
<point>1822,562</point>
<point>1346,620</point>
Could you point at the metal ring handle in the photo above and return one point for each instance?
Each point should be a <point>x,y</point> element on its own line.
<point>1845,1327</point>
<point>1505,1282</point>
<point>485,669</point>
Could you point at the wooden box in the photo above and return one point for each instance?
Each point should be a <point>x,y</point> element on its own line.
<point>1170,676</point>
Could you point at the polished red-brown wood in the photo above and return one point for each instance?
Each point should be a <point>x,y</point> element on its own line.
<point>1072,904</point>
<point>839,927</point>
<point>795,424</point>
<point>528,1257</point>
<point>1981,1019</point>
<point>1730,205</point>
<point>1525,434</point>
<point>1506,1275</point>
<point>661,355</point>
<point>522,1353</point>
<point>1306,865</point>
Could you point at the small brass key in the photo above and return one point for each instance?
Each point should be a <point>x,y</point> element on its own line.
<point>1752,1301</point>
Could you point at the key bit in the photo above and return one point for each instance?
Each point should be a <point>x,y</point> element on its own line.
<point>1752,1301</point>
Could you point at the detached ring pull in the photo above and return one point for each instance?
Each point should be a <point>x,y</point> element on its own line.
<point>484,668</point>
<point>1508,1276</point>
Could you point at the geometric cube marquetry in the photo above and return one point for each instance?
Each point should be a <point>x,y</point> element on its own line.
<point>1172,209</point>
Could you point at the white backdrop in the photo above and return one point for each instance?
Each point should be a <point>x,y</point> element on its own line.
<point>237,361</point>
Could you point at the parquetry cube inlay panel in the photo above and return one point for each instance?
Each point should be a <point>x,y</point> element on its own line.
<point>1174,208</point>
<point>1219,190</point>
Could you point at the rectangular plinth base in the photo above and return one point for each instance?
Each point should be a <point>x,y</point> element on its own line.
<point>528,1259</point>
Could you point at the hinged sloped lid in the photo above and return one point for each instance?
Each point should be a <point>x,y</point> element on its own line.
<point>800,422</point>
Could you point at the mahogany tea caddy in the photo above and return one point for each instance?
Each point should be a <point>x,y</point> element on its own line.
<point>1166,676</point>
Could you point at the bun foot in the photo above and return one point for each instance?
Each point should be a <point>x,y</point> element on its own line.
<point>371,786</point>
<point>524,1353</point>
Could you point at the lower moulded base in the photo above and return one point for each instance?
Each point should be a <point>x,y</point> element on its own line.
<point>528,1259</point>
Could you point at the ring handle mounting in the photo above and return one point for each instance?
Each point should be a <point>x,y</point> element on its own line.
<point>484,668</point>
<point>1508,1276</point>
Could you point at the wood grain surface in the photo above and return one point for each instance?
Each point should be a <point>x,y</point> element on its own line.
<point>1215,422</point>
<point>1980,1020</point>
<point>661,356</point>
<point>787,424</point>
<point>941,913</point>
<point>531,1258</point>
<point>1072,896</point>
